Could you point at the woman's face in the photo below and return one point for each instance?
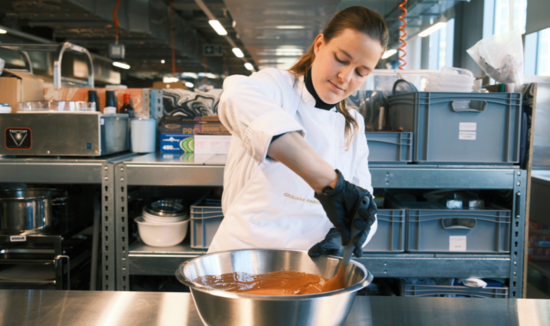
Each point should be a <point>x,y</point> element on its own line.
<point>343,64</point>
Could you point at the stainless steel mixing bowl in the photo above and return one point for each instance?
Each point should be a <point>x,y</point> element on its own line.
<point>218,307</point>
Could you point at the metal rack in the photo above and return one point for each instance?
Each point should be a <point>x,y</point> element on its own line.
<point>156,169</point>
<point>51,170</point>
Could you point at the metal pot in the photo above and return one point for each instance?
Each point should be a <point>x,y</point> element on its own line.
<point>218,307</point>
<point>28,209</point>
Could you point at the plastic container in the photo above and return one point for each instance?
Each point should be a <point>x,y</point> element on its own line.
<point>390,235</point>
<point>55,106</point>
<point>162,234</point>
<point>460,128</point>
<point>421,290</point>
<point>5,108</point>
<point>432,228</point>
<point>390,147</point>
<point>144,135</point>
<point>205,221</point>
<point>383,79</point>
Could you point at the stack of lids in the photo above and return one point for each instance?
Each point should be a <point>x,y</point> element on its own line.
<point>165,211</point>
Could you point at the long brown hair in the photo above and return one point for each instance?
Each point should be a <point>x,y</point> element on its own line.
<point>357,18</point>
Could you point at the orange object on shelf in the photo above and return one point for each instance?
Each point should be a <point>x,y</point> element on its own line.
<point>402,36</point>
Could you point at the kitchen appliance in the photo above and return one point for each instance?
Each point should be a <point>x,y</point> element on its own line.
<point>47,244</point>
<point>63,133</point>
<point>217,307</point>
<point>28,209</point>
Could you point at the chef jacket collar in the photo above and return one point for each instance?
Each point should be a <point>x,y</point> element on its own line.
<point>309,86</point>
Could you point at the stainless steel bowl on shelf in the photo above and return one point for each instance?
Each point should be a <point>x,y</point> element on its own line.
<point>218,307</point>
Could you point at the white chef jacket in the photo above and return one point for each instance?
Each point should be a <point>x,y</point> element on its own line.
<point>265,204</point>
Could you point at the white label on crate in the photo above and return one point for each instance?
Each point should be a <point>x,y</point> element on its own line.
<point>467,135</point>
<point>101,121</point>
<point>467,126</point>
<point>457,243</point>
<point>18,238</point>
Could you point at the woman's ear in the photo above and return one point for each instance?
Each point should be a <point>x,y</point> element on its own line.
<point>319,41</point>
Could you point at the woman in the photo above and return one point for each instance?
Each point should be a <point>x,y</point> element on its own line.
<point>295,144</point>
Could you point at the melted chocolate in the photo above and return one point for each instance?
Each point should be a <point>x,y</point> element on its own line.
<point>274,283</point>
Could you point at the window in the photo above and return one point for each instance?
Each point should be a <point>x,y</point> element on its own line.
<point>441,46</point>
<point>537,53</point>
<point>543,53</point>
<point>503,15</point>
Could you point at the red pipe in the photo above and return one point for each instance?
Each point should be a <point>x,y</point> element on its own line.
<point>115,19</point>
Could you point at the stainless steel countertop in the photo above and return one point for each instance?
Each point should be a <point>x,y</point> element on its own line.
<point>32,307</point>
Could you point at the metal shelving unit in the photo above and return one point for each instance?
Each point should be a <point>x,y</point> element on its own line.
<point>157,169</point>
<point>56,170</point>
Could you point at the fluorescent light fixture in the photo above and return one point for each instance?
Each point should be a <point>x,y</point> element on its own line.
<point>278,60</point>
<point>192,75</point>
<point>162,61</point>
<point>238,52</point>
<point>217,27</point>
<point>3,31</point>
<point>249,66</point>
<point>208,75</point>
<point>288,52</point>
<point>121,65</point>
<point>389,53</point>
<point>290,27</point>
<point>190,85</point>
<point>169,79</point>
<point>432,29</point>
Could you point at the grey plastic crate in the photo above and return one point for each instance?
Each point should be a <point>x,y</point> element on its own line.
<point>460,128</point>
<point>457,230</point>
<point>205,221</point>
<point>421,290</point>
<point>390,147</point>
<point>390,235</point>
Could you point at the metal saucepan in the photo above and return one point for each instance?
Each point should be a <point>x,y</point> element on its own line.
<point>28,209</point>
<point>218,307</point>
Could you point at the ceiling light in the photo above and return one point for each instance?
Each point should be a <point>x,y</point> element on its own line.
<point>389,53</point>
<point>249,66</point>
<point>238,52</point>
<point>289,52</point>
<point>3,31</point>
<point>121,65</point>
<point>290,27</point>
<point>162,61</point>
<point>169,80</point>
<point>190,85</point>
<point>192,75</point>
<point>432,29</point>
<point>217,27</point>
<point>208,75</point>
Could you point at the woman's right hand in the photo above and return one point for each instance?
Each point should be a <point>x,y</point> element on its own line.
<point>345,204</point>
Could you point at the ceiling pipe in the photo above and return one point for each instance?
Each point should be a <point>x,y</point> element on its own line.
<point>210,16</point>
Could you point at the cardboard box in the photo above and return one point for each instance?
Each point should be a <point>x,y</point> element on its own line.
<point>198,144</point>
<point>161,85</point>
<point>18,86</point>
<point>204,125</point>
<point>176,143</point>
<point>211,144</point>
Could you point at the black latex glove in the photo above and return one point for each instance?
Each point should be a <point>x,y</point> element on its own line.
<point>332,245</point>
<point>347,204</point>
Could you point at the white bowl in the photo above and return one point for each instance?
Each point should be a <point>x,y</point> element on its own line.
<point>162,234</point>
